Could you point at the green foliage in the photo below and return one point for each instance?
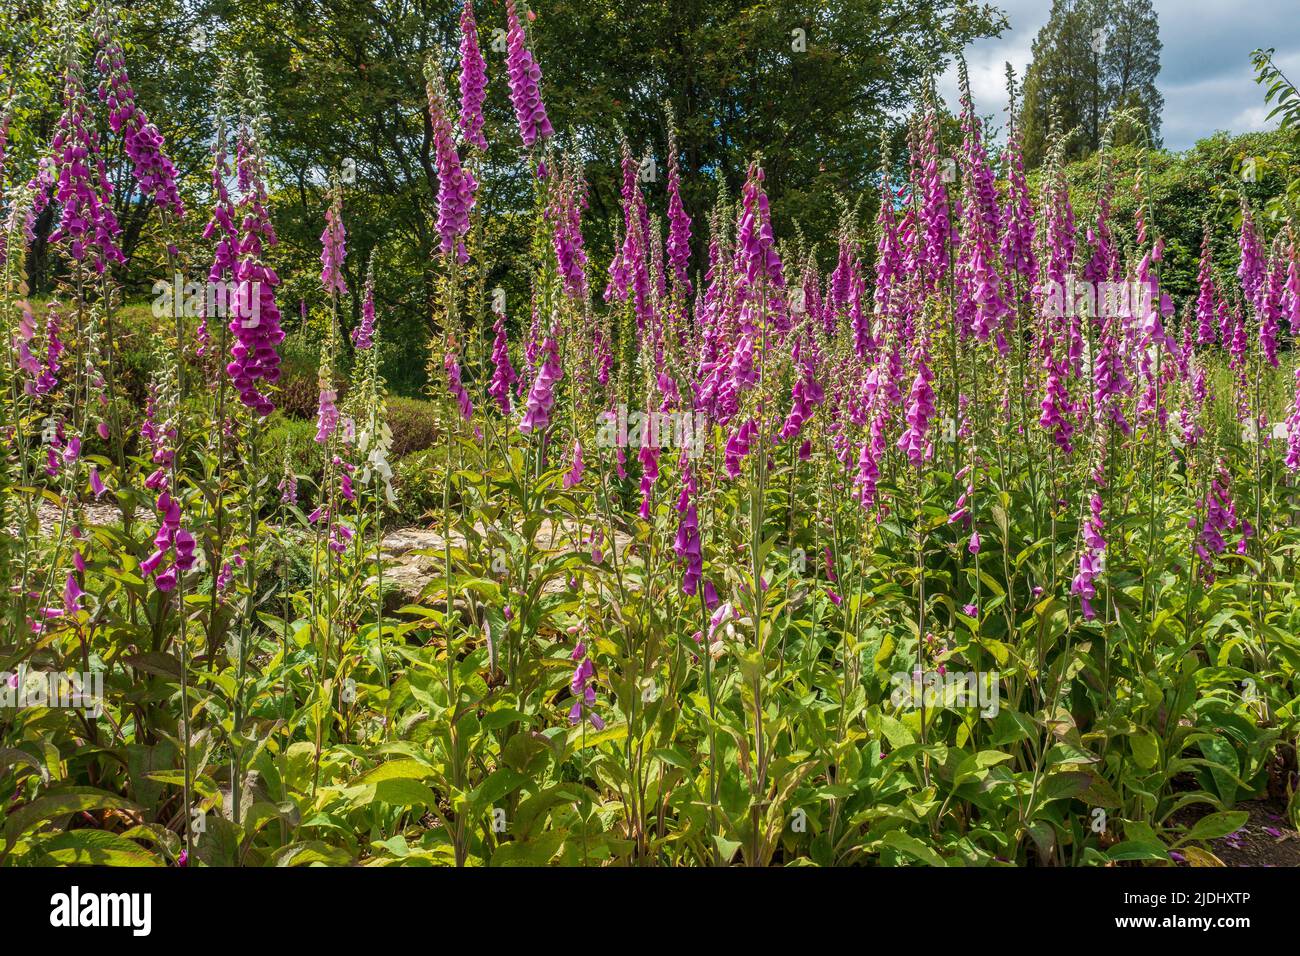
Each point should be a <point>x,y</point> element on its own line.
<point>414,423</point>
<point>293,440</point>
<point>419,482</point>
<point>1186,191</point>
<point>530,677</point>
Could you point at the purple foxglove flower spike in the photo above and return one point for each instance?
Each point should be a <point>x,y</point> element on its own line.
<point>1205,327</point>
<point>454,385</point>
<point>503,373</point>
<point>473,80</point>
<point>525,77</point>
<point>143,144</point>
<point>541,397</point>
<point>456,185</point>
<point>1091,558</point>
<point>333,247</point>
<point>255,321</point>
<point>679,223</point>
<point>574,474</point>
<point>363,336</point>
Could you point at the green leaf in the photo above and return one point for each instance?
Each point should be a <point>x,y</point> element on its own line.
<point>72,800</point>
<point>726,848</point>
<point>1136,850</point>
<point>500,782</point>
<point>911,846</point>
<point>399,791</point>
<point>1146,749</point>
<point>1217,825</point>
<point>405,769</point>
<point>536,852</point>
<point>972,766</point>
<point>96,848</point>
<point>312,853</point>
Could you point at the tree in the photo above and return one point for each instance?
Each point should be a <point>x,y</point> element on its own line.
<point>171,82</point>
<point>809,84</point>
<point>1091,59</point>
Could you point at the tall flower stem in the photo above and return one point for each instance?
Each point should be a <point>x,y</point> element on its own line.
<point>245,632</point>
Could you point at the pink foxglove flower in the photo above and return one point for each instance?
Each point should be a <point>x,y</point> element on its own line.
<point>1018,216</point>
<point>566,231</point>
<point>525,75</point>
<point>503,373</point>
<point>363,336</point>
<point>649,458</point>
<point>1252,267</point>
<point>628,271</point>
<point>72,595</point>
<point>687,545</point>
<point>79,177</point>
<point>936,223</point>
<point>455,386</point>
<point>5,118</point>
<point>143,144</point>
<point>96,483</point>
<point>679,223</point>
<point>582,689</point>
<point>255,322</point>
<point>333,248</point>
<point>1057,415</point>
<point>225,257</point>
<point>473,80</point>
<point>807,392</point>
<point>541,397</point>
<point>915,441</point>
<point>327,414</point>
<point>1220,517</point>
<point>1293,430</point>
<point>1205,298</point>
<point>574,475</point>
<point>1091,559</point>
<point>1271,302</point>
<point>456,185</point>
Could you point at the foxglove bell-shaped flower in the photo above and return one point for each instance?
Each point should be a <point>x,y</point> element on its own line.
<point>525,77</point>
<point>541,397</point>
<point>333,247</point>
<point>473,80</point>
<point>574,475</point>
<point>1091,559</point>
<point>143,144</point>
<point>456,185</point>
<point>503,373</point>
<point>456,387</point>
<point>582,689</point>
<point>255,319</point>
<point>363,336</point>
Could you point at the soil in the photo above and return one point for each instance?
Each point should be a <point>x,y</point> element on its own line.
<point>1265,840</point>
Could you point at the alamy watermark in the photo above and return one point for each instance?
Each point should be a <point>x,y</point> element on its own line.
<point>1110,299</point>
<point>619,428</point>
<point>933,689</point>
<point>74,691</point>
<point>177,298</point>
<point>75,909</point>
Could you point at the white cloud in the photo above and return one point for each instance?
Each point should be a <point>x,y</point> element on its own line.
<point>1205,75</point>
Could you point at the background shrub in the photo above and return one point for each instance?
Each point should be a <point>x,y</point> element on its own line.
<point>296,438</point>
<point>298,392</point>
<point>414,424</point>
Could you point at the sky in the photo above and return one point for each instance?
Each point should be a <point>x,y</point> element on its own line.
<point>1205,72</point>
